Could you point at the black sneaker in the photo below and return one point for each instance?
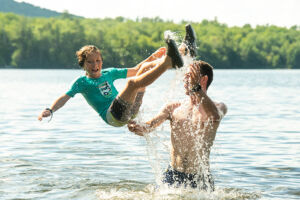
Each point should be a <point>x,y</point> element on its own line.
<point>174,53</point>
<point>190,40</point>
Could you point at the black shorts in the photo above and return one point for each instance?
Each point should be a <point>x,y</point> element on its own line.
<point>175,178</point>
<point>119,112</point>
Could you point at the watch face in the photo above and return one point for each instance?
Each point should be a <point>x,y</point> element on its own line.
<point>196,88</point>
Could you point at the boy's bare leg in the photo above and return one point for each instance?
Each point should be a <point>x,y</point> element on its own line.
<point>140,93</point>
<point>156,55</point>
<point>137,103</point>
<point>138,83</point>
<point>133,85</point>
<point>146,67</point>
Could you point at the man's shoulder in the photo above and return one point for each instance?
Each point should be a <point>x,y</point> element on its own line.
<point>219,103</point>
<point>221,108</point>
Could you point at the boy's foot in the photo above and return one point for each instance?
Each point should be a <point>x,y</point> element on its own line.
<point>190,40</point>
<point>173,53</point>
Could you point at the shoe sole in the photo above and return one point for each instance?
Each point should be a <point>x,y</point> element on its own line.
<point>190,40</point>
<point>174,54</point>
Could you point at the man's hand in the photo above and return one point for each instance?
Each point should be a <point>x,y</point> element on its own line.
<point>191,79</point>
<point>138,129</point>
<point>195,75</point>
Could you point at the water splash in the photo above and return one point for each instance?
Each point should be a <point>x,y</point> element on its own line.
<point>154,157</point>
<point>201,143</point>
<point>137,191</point>
<point>170,35</point>
<point>187,59</point>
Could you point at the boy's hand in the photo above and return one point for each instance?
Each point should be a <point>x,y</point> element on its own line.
<point>45,113</point>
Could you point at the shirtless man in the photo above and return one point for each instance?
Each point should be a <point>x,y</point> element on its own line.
<point>194,124</point>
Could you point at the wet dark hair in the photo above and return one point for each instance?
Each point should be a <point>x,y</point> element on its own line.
<point>84,52</point>
<point>205,70</point>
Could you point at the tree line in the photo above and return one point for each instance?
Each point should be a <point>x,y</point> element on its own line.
<point>29,42</point>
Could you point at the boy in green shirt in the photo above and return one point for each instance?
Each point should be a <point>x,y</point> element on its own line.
<point>116,109</point>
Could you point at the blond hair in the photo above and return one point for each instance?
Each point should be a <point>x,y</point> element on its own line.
<point>84,52</point>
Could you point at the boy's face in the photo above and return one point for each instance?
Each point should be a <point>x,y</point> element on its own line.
<point>93,65</point>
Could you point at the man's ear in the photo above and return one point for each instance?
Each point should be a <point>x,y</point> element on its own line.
<point>203,81</point>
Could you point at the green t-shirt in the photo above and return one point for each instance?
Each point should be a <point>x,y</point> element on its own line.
<point>98,92</point>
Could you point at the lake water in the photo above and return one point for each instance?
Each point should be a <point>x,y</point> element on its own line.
<point>256,154</point>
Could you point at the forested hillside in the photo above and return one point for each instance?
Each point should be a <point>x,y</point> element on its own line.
<point>26,9</point>
<point>51,42</point>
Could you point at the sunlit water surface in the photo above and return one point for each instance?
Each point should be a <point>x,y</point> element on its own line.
<point>77,156</point>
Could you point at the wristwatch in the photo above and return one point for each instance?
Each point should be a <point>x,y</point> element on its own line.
<point>196,88</point>
<point>51,113</point>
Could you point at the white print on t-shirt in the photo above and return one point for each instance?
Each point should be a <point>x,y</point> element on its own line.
<point>105,89</point>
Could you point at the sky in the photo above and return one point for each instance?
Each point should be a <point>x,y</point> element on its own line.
<point>283,13</point>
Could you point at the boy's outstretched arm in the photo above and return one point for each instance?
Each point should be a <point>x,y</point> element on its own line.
<point>58,103</point>
<point>142,128</point>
